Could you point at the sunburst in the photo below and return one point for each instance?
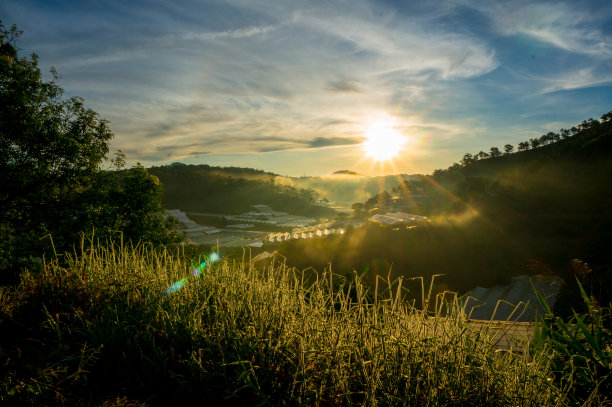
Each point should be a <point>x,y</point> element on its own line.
<point>383,141</point>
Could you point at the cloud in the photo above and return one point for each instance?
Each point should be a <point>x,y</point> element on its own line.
<point>239,33</point>
<point>571,27</point>
<point>333,141</point>
<point>382,45</point>
<point>250,76</point>
<point>343,86</point>
<point>577,79</point>
<point>178,151</point>
<point>179,121</point>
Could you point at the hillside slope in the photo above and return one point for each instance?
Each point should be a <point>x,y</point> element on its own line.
<point>202,188</point>
<point>558,192</point>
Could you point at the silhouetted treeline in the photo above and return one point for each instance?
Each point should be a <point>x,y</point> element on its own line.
<point>587,128</point>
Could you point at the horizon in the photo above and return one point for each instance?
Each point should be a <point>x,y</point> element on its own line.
<point>296,89</point>
<point>337,172</point>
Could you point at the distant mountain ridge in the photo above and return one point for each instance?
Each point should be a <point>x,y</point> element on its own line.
<point>347,172</point>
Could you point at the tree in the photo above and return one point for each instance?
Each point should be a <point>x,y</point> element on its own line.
<point>555,137</point>
<point>51,151</point>
<point>494,152</point>
<point>544,139</point>
<point>129,201</point>
<point>588,124</point>
<point>467,159</point>
<point>358,208</point>
<point>482,155</point>
<point>508,149</point>
<point>549,138</point>
<point>565,133</point>
<point>382,199</point>
<point>523,146</point>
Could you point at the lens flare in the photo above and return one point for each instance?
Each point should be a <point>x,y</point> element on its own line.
<point>198,269</point>
<point>195,272</point>
<point>176,286</point>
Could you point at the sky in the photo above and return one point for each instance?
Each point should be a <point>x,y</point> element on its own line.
<point>294,87</point>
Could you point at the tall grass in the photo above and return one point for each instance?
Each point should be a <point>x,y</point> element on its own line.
<point>104,328</point>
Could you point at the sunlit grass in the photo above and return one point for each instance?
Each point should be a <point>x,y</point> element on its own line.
<point>101,328</point>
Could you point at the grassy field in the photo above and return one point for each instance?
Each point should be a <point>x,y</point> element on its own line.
<point>134,326</point>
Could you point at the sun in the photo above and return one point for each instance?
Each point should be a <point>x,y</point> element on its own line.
<point>383,141</point>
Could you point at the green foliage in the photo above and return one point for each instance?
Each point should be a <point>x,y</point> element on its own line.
<point>238,333</point>
<point>585,130</point>
<point>545,139</point>
<point>358,209</point>
<point>51,150</point>
<point>129,201</point>
<point>580,350</point>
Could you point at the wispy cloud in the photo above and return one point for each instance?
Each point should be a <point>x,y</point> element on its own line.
<point>267,87</point>
<point>178,80</point>
<point>239,33</point>
<point>572,26</point>
<point>333,141</point>
<point>344,86</point>
<point>581,78</point>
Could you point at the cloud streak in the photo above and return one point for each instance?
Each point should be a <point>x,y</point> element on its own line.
<point>571,28</point>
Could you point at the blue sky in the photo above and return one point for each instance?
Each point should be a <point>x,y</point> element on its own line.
<point>292,86</point>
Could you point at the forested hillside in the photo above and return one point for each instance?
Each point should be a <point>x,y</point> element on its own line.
<point>202,188</point>
<point>557,192</point>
